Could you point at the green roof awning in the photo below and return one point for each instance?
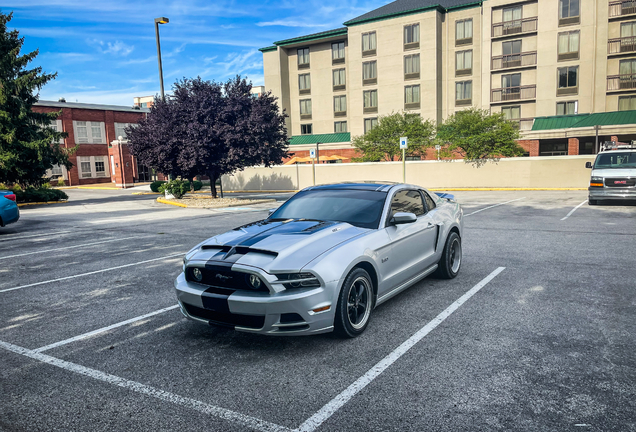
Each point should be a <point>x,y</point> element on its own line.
<point>313,37</point>
<point>584,120</point>
<point>268,49</point>
<point>320,138</point>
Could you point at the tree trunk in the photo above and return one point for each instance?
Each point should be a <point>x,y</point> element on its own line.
<point>213,178</point>
<point>191,180</point>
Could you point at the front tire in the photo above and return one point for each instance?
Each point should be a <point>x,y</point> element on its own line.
<point>449,264</point>
<point>355,303</point>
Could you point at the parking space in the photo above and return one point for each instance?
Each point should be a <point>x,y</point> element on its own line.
<point>536,333</point>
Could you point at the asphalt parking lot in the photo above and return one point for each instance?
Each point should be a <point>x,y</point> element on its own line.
<point>91,339</point>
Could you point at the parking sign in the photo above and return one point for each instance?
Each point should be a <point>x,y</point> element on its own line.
<point>312,153</point>
<point>403,143</point>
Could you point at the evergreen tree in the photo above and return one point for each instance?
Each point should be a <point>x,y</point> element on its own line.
<point>28,145</point>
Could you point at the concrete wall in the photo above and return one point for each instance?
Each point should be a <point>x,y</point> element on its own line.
<point>528,172</point>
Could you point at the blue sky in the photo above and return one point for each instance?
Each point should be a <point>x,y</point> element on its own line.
<point>104,51</point>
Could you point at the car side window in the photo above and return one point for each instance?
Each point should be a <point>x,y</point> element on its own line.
<point>407,201</point>
<point>430,204</point>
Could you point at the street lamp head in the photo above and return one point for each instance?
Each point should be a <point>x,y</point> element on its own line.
<point>162,20</point>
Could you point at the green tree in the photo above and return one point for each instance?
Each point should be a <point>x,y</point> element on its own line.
<point>383,141</point>
<point>478,135</point>
<point>28,145</point>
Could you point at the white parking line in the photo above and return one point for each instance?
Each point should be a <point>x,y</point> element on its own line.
<point>72,247</point>
<point>222,413</point>
<point>493,206</point>
<point>336,403</point>
<point>573,210</point>
<point>92,273</point>
<point>103,329</point>
<point>29,236</point>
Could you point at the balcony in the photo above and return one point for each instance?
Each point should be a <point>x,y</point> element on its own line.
<point>621,8</point>
<point>513,93</point>
<point>621,82</point>
<point>514,60</point>
<point>621,45</point>
<point>514,27</point>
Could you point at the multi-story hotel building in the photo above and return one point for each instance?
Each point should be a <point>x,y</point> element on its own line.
<point>564,70</point>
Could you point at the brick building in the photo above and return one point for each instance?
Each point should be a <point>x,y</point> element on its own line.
<point>100,158</point>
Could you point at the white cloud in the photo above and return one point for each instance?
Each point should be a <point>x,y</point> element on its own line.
<point>118,48</point>
<point>289,23</point>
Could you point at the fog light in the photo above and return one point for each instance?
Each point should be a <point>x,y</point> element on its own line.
<point>197,274</point>
<point>255,281</point>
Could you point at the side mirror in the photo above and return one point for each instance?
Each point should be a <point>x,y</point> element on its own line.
<point>402,218</point>
<point>270,211</point>
<point>588,164</point>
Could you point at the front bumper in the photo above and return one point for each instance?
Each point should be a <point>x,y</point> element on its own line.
<point>605,193</point>
<point>260,312</point>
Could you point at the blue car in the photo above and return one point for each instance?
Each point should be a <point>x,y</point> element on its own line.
<point>9,211</point>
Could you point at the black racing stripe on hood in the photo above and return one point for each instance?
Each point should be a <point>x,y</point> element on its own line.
<point>294,227</point>
<point>247,236</point>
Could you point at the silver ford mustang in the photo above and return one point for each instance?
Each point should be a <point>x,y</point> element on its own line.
<point>323,260</point>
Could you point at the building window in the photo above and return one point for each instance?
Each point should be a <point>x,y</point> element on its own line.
<point>340,126</point>
<point>464,32</point>
<point>412,96</point>
<point>340,105</point>
<point>567,108</point>
<point>89,132</point>
<point>512,15</point>
<point>369,73</point>
<point>370,101</point>
<point>56,125</point>
<point>567,80</point>
<point>627,103</point>
<point>304,84</point>
<point>92,166</point>
<point>463,93</point>
<point>305,108</point>
<point>511,112</point>
<point>303,58</point>
<point>569,45</point>
<point>56,170</point>
<point>568,12</point>
<point>368,44</point>
<point>120,129</point>
<point>370,124</point>
<point>305,129</point>
<point>412,66</point>
<point>463,63</point>
<point>339,79</point>
<point>337,52</point>
<point>412,36</point>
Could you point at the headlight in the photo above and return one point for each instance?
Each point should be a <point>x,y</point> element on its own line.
<point>197,274</point>
<point>255,281</point>
<point>299,280</point>
<point>596,182</point>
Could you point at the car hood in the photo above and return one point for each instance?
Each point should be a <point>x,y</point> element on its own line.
<point>614,172</point>
<point>276,246</point>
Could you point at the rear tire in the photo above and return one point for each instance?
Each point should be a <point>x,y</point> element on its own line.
<point>592,202</point>
<point>450,263</point>
<point>355,303</point>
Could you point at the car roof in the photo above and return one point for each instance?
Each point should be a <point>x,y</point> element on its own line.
<point>370,185</point>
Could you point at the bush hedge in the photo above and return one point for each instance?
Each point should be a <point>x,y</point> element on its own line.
<point>154,186</point>
<point>177,188</point>
<point>39,195</point>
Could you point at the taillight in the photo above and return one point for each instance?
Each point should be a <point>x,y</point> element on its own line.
<point>10,196</point>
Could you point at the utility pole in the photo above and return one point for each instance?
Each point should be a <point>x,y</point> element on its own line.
<point>161,20</point>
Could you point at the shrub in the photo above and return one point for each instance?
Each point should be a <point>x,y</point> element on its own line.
<point>39,195</point>
<point>61,182</point>
<point>154,186</point>
<point>197,185</point>
<point>177,188</point>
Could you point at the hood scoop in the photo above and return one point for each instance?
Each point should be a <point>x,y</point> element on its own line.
<point>238,250</point>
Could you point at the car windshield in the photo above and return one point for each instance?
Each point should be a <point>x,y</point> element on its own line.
<point>616,159</point>
<point>361,208</point>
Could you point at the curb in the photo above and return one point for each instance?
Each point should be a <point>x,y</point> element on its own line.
<point>163,201</point>
<point>39,203</point>
<point>259,191</point>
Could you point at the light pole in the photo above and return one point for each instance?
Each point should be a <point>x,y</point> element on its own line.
<point>161,20</point>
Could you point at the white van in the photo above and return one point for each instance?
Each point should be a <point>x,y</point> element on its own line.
<point>613,174</point>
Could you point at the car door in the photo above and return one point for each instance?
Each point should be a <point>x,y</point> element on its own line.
<point>412,244</point>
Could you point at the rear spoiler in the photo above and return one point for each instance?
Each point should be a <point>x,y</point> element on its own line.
<point>450,197</point>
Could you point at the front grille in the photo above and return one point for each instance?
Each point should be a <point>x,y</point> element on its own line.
<point>620,182</point>
<point>226,319</point>
<point>224,277</point>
